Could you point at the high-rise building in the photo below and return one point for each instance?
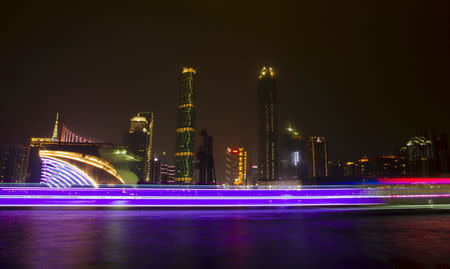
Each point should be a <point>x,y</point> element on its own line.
<point>185,141</point>
<point>236,166</point>
<point>366,168</point>
<point>13,163</point>
<point>205,160</point>
<point>441,155</point>
<point>163,172</point>
<point>314,159</point>
<point>139,142</point>
<point>252,175</point>
<point>267,132</point>
<point>350,169</point>
<point>156,171</point>
<point>290,154</point>
<point>420,154</point>
<point>319,153</point>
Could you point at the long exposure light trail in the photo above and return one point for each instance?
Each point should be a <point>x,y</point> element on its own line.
<point>197,197</point>
<point>414,181</point>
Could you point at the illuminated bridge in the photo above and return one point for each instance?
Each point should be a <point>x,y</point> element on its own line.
<point>63,169</point>
<point>68,160</point>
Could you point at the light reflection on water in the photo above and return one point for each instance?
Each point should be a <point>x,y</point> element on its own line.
<point>221,239</point>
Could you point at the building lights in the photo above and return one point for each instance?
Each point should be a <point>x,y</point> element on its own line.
<point>86,159</point>
<point>185,105</point>
<point>183,179</point>
<point>236,166</point>
<point>57,173</point>
<point>267,72</point>
<point>120,151</point>
<point>185,132</point>
<point>139,119</point>
<point>188,70</point>
<point>184,154</point>
<point>185,129</point>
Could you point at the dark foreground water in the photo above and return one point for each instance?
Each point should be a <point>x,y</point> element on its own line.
<point>280,238</point>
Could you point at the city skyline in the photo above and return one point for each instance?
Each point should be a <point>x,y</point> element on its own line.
<point>225,134</point>
<point>58,126</point>
<point>322,88</point>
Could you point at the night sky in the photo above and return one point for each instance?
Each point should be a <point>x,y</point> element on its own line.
<point>365,74</point>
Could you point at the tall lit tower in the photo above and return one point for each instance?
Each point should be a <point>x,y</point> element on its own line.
<point>267,133</point>
<point>185,142</point>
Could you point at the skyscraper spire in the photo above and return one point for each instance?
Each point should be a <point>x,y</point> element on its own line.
<point>56,133</point>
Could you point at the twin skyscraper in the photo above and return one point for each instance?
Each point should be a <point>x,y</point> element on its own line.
<point>267,132</point>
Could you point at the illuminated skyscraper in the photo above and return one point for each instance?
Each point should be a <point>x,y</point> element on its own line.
<point>185,141</point>
<point>236,166</point>
<point>420,156</point>
<point>267,133</point>
<point>319,156</point>
<point>139,141</point>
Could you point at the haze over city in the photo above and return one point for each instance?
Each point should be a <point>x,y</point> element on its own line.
<point>367,86</point>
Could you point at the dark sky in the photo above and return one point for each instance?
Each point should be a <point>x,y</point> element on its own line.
<point>365,74</point>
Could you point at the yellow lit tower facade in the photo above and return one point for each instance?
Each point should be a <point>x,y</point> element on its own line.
<point>185,140</point>
<point>139,141</point>
<point>268,130</point>
<point>236,166</point>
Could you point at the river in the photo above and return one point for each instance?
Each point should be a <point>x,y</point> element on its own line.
<point>235,238</point>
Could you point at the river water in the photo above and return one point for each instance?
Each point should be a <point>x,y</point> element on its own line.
<point>283,238</point>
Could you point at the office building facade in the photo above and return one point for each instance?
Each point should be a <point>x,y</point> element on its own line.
<point>419,153</point>
<point>236,166</point>
<point>163,172</point>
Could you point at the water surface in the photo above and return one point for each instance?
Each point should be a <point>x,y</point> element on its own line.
<point>286,238</point>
